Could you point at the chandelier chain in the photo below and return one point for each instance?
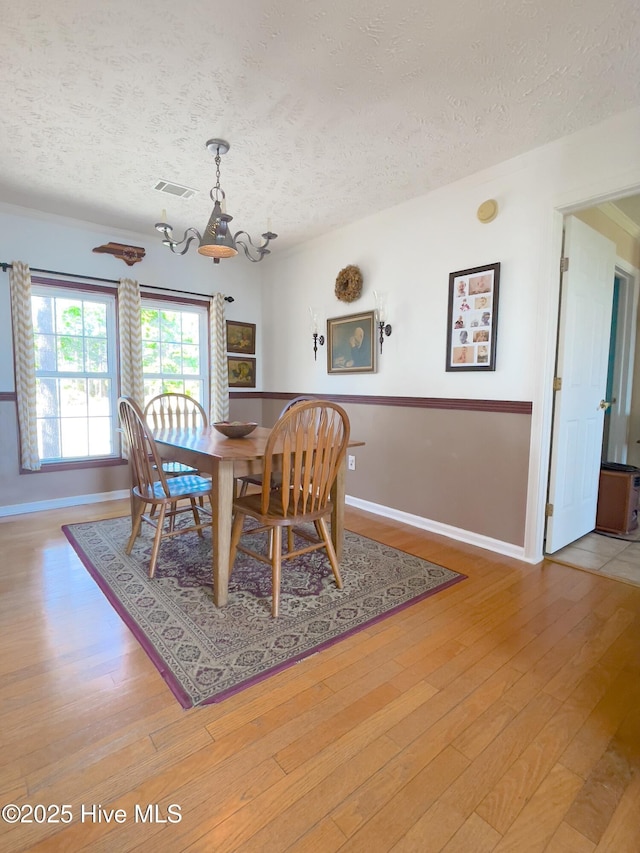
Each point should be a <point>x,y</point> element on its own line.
<point>217,192</point>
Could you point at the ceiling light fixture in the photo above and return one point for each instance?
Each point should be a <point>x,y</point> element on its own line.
<point>217,241</point>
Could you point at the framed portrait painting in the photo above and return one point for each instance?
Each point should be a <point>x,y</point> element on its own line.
<point>351,344</point>
<point>241,337</point>
<point>242,372</point>
<point>473,318</point>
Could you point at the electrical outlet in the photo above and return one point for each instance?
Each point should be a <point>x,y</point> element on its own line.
<point>351,463</point>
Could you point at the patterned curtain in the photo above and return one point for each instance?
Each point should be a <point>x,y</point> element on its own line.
<point>218,374</point>
<point>25,364</point>
<point>130,334</point>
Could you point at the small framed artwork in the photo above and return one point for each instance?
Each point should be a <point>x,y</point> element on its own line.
<point>241,337</point>
<point>242,372</point>
<point>351,343</point>
<point>473,318</point>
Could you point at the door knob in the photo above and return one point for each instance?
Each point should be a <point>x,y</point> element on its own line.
<point>604,404</point>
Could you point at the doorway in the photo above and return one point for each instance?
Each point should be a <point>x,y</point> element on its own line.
<point>622,357</point>
<point>609,364</point>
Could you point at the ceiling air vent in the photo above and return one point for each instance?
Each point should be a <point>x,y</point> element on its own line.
<point>175,189</point>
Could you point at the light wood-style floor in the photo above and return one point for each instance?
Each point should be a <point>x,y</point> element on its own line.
<point>502,714</point>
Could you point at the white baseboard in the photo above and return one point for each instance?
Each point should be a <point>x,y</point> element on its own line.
<point>60,503</point>
<point>457,533</point>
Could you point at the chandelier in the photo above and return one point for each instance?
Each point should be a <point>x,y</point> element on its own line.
<point>217,241</point>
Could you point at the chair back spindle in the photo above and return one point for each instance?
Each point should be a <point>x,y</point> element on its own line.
<point>308,444</point>
<point>174,411</point>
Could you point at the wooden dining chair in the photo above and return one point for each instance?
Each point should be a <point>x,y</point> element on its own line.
<point>173,410</point>
<point>152,488</point>
<point>306,448</point>
<point>256,479</point>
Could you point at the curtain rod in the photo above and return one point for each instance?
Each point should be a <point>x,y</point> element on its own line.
<point>6,266</point>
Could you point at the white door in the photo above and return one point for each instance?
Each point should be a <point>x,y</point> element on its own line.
<point>583,350</point>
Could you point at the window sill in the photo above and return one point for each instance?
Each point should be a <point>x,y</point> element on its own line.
<point>104,462</point>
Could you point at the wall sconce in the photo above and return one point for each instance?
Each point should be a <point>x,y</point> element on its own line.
<point>317,337</point>
<point>381,313</point>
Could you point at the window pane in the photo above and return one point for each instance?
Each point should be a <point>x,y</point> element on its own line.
<point>68,316</point>
<point>171,359</point>
<point>170,326</point>
<point>46,397</point>
<point>95,320</point>
<point>73,398</point>
<point>190,359</point>
<point>152,387</point>
<point>190,328</point>
<point>70,354</point>
<point>193,389</point>
<point>150,324</point>
<point>99,400</point>
<point>175,386</point>
<point>96,355</point>
<point>151,357</point>
<point>49,438</point>
<point>100,437</point>
<point>42,314</point>
<point>75,437</point>
<point>45,352</point>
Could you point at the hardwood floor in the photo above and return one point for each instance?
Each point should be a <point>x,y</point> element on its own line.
<point>501,714</point>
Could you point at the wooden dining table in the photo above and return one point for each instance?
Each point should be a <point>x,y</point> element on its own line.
<point>225,459</point>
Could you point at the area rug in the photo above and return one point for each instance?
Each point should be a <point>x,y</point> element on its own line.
<point>206,653</point>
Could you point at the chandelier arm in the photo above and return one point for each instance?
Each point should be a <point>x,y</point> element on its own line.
<point>261,249</point>
<point>188,237</point>
<point>246,250</point>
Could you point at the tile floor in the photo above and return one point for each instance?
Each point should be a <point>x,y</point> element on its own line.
<point>604,555</point>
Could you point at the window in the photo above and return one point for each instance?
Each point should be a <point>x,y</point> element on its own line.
<point>174,349</point>
<point>76,386</point>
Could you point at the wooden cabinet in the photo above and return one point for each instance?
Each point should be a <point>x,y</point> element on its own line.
<point>618,499</point>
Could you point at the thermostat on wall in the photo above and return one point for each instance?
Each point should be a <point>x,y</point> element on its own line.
<point>488,210</point>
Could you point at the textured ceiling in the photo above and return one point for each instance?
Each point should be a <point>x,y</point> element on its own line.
<point>333,109</point>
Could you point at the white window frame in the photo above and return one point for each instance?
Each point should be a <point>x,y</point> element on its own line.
<point>175,305</point>
<point>69,291</point>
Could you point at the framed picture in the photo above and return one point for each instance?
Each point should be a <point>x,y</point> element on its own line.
<point>351,343</point>
<point>473,318</point>
<point>241,337</point>
<point>242,372</point>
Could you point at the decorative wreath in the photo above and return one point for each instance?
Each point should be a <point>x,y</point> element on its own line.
<point>349,284</point>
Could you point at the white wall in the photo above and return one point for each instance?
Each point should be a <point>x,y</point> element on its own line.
<point>67,245</point>
<point>409,252</point>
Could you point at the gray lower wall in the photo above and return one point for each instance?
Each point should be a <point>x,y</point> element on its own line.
<point>30,488</point>
<point>467,469</point>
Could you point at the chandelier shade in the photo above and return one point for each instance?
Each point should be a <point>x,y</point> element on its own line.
<point>217,241</point>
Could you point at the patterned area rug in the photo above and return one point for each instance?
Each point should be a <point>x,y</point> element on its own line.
<point>206,653</point>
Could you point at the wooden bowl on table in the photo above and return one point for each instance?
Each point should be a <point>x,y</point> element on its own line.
<point>235,429</point>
